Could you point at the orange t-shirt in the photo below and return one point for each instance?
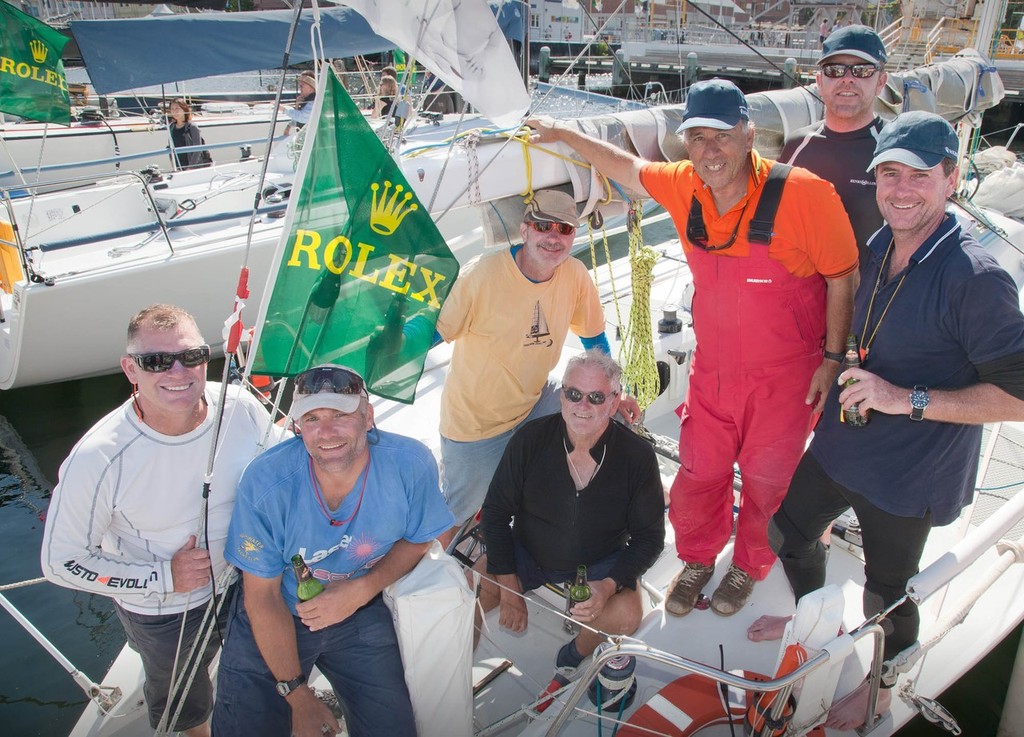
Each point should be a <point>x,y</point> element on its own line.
<point>812,232</point>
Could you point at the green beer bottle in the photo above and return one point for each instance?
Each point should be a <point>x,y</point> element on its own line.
<point>580,590</point>
<point>308,586</point>
<point>852,415</point>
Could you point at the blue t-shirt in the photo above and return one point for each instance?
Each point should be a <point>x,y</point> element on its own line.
<point>955,309</point>
<point>277,513</point>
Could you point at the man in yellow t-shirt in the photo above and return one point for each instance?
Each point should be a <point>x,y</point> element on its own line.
<point>508,314</point>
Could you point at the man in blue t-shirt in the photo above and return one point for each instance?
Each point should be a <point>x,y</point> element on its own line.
<point>942,337</point>
<point>361,507</point>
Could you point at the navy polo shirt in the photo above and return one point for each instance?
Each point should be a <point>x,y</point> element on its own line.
<point>955,309</point>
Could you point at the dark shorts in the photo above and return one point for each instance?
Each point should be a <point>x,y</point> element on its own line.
<point>532,575</point>
<point>155,639</point>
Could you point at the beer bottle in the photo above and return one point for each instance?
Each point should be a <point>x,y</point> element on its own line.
<point>852,416</point>
<point>580,590</point>
<point>308,586</point>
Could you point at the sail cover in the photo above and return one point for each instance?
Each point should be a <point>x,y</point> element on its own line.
<point>125,53</point>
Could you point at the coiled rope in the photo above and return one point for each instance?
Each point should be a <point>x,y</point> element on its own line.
<point>636,354</point>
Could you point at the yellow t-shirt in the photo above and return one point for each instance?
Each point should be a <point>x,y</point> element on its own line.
<point>508,334</point>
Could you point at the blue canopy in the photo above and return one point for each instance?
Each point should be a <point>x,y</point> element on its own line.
<point>128,53</point>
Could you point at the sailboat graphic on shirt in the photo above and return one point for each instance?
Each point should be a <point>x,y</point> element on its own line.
<point>538,329</point>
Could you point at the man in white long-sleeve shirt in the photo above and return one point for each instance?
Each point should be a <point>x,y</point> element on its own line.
<point>124,516</point>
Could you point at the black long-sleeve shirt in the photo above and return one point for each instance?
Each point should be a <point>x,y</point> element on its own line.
<point>622,508</point>
<point>187,135</point>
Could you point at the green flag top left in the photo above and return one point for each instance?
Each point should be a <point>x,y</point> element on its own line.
<point>32,83</point>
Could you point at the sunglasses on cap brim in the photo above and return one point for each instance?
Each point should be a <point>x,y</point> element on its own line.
<point>334,379</point>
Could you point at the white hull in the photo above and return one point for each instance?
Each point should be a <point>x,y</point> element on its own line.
<point>120,140</point>
<point>91,276</point>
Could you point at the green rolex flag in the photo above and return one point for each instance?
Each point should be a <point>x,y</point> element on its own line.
<point>364,270</point>
<point>32,83</point>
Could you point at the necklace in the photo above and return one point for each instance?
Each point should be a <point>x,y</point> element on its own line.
<point>866,341</point>
<point>576,477</point>
<point>320,496</point>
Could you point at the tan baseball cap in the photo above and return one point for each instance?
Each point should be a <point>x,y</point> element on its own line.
<point>552,206</point>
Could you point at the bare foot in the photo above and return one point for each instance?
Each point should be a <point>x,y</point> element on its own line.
<point>848,713</point>
<point>767,627</point>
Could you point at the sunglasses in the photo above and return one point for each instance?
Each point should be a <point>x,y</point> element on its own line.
<point>332,379</point>
<point>543,226</point>
<point>838,71</point>
<point>156,363</point>
<point>575,395</point>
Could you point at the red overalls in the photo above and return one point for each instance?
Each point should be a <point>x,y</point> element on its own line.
<point>759,335</point>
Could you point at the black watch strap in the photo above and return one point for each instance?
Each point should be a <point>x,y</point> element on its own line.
<point>919,401</point>
<point>836,356</point>
<point>286,687</point>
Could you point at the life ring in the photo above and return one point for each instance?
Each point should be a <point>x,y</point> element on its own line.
<point>692,703</point>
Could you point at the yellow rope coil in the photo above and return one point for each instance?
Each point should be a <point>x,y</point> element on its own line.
<point>636,354</point>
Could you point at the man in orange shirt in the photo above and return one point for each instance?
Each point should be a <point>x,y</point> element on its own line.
<point>771,322</point>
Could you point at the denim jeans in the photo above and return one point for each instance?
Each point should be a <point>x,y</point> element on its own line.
<point>359,657</point>
<point>467,467</point>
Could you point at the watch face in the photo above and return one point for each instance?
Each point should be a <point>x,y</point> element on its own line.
<point>919,399</point>
<point>283,688</point>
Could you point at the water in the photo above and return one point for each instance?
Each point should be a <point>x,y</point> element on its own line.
<point>39,425</point>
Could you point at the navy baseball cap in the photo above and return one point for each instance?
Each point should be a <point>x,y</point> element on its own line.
<point>714,103</point>
<point>859,41</point>
<point>918,139</point>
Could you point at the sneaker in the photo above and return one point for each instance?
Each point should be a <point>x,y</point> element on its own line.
<point>563,677</point>
<point>686,587</point>
<point>732,593</point>
<point>567,667</point>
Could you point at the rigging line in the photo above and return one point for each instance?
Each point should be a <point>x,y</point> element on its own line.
<point>982,218</point>
<point>182,683</point>
<point>218,418</point>
<point>474,179</point>
<point>273,128</point>
<point>583,51</point>
<point>796,81</point>
<point>544,606</point>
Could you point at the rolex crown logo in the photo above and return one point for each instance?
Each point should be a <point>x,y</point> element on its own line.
<point>387,213</point>
<point>39,50</point>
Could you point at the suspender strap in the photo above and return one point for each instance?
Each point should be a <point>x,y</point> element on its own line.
<point>696,232</point>
<point>762,223</point>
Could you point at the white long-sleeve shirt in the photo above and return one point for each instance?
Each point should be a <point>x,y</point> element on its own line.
<point>128,498</point>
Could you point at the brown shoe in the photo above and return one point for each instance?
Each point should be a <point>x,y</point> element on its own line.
<point>686,587</point>
<point>732,593</point>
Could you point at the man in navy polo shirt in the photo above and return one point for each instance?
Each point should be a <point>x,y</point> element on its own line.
<point>942,340</point>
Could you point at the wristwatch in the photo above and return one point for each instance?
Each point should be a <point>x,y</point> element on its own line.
<point>919,401</point>
<point>286,687</point>
<point>836,356</point>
